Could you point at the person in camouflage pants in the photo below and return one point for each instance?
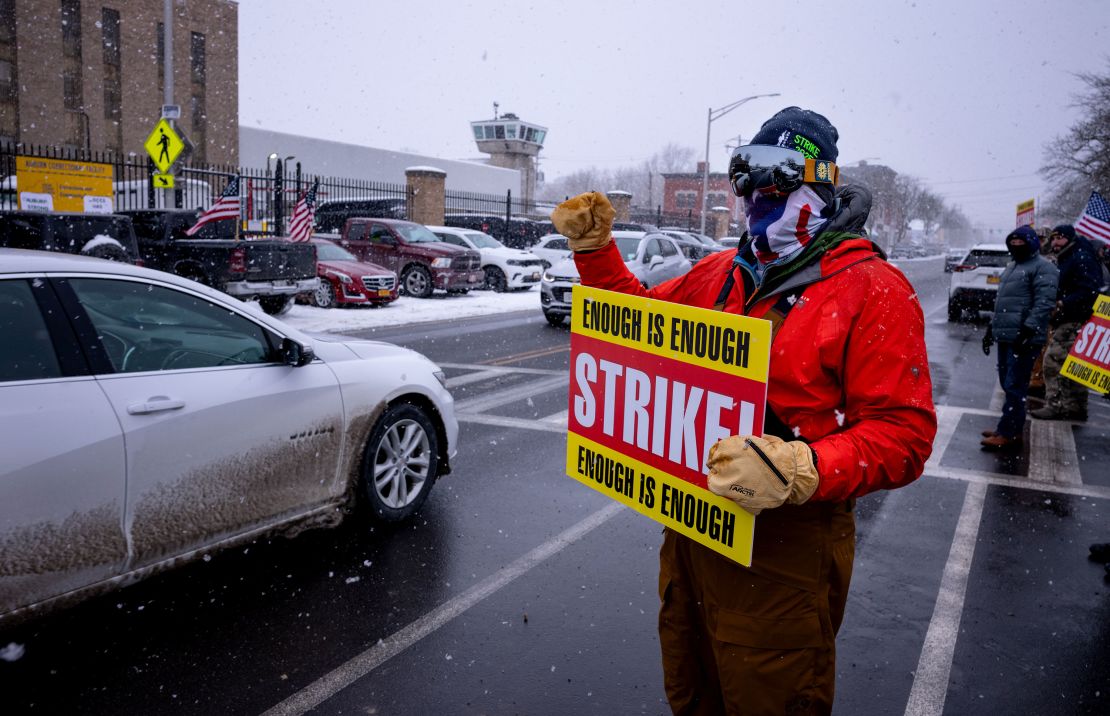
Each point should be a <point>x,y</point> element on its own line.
<point>1080,276</point>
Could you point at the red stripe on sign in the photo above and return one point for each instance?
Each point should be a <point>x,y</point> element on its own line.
<point>658,410</point>
<point>1093,342</point>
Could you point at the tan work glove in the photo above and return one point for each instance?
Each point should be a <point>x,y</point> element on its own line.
<point>587,220</point>
<point>761,473</point>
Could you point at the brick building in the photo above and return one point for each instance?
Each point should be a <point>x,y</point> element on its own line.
<point>682,194</point>
<point>89,75</point>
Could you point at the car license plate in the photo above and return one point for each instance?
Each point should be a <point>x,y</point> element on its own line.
<point>566,296</point>
<point>383,291</point>
<point>994,279</point>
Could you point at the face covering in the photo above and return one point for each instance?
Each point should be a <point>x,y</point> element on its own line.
<point>781,226</point>
<point>1020,251</point>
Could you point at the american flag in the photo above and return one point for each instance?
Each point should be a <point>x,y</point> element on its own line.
<point>1095,220</point>
<point>304,215</point>
<point>226,207</point>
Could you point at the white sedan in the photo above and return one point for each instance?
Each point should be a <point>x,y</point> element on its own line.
<point>506,269</point>
<point>146,420</point>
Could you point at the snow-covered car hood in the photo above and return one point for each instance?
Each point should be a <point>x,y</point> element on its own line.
<point>506,253</point>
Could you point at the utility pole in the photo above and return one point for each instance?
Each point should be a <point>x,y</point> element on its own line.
<point>167,78</point>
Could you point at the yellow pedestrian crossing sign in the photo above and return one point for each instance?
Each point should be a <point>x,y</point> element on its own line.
<point>164,146</point>
<point>163,181</point>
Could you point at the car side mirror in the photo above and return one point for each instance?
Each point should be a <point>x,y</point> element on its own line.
<point>653,261</point>
<point>296,355</point>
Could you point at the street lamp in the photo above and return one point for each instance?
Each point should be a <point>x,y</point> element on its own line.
<point>273,156</point>
<point>713,115</point>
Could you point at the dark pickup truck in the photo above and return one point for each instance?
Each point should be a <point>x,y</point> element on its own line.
<point>271,270</point>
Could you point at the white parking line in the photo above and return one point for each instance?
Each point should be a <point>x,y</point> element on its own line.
<point>340,678</point>
<point>498,398</point>
<point>519,423</point>
<point>930,681</point>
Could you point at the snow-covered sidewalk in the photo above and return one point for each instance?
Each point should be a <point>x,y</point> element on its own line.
<point>407,311</point>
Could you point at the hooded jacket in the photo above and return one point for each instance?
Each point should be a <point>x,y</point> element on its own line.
<point>1026,298</point>
<point>1080,278</point>
<point>848,373</point>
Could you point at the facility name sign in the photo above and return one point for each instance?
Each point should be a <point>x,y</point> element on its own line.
<point>63,185</point>
<point>1088,362</point>
<point>653,385</point>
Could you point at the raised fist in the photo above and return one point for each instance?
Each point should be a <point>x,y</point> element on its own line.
<point>587,220</point>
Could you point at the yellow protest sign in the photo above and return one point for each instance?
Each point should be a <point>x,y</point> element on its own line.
<point>653,385</point>
<point>63,185</point>
<point>164,146</point>
<point>1088,362</point>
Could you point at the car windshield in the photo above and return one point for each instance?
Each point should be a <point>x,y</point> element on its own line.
<point>483,241</point>
<point>987,259</point>
<point>327,251</point>
<point>628,248</point>
<point>416,234</point>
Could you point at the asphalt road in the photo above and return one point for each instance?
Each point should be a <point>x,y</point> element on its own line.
<point>519,591</point>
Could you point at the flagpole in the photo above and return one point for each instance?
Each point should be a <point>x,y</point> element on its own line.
<point>239,219</point>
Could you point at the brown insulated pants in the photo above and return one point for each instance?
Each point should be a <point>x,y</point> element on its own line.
<point>761,640</point>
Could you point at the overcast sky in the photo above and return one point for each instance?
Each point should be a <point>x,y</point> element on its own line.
<point>959,93</point>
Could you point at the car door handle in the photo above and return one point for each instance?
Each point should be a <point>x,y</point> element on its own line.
<point>155,404</point>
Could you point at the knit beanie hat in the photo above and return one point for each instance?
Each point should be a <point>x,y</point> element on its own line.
<point>804,130</point>
<point>1065,230</point>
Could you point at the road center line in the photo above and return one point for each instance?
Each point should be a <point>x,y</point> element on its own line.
<point>338,679</point>
<point>930,681</point>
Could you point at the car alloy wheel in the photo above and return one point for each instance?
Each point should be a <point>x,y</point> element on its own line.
<point>417,282</point>
<point>324,295</point>
<point>495,279</point>
<point>401,462</point>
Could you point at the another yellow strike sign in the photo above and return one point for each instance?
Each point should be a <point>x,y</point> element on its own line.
<point>164,146</point>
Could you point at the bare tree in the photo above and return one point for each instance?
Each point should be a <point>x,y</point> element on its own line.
<point>643,180</point>
<point>1079,161</point>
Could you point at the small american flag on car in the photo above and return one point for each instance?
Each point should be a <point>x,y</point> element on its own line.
<point>304,215</point>
<point>226,207</point>
<point>1095,220</point>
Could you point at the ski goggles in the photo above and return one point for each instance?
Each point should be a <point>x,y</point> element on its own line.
<point>760,166</point>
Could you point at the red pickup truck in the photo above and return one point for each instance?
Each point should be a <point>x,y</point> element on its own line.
<point>415,254</point>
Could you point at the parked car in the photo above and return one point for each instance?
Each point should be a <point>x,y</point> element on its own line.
<point>730,242</point>
<point>104,236</point>
<point>148,420</point>
<point>517,233</point>
<point>505,269</point>
<point>952,258</point>
<point>634,226</point>
<point>692,247</point>
<point>652,258</point>
<point>415,254</point>
<point>331,216</point>
<point>346,281</point>
<point>273,270</point>
<point>552,249</point>
<point>974,283</point>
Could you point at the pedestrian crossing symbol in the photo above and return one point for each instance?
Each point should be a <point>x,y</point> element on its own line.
<point>164,146</point>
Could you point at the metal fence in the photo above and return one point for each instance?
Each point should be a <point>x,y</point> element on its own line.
<point>267,196</point>
<point>506,207</point>
<point>686,220</point>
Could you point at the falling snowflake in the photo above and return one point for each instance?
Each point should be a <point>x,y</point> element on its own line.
<point>839,417</point>
<point>14,652</point>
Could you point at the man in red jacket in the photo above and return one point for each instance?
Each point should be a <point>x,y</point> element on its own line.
<point>850,411</point>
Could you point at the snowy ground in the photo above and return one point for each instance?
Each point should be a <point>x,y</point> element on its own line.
<point>406,310</point>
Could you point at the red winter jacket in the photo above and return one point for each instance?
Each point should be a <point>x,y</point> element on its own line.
<point>848,370</point>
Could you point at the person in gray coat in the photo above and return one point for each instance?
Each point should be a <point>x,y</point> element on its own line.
<point>1026,298</point>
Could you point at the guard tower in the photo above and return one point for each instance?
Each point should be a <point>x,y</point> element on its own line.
<point>512,144</point>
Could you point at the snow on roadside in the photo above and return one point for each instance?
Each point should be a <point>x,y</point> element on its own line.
<point>407,310</point>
